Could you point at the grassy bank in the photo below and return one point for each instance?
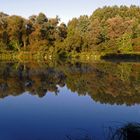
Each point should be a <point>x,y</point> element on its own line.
<point>27,55</point>
<point>84,56</point>
<point>24,56</point>
<point>8,55</point>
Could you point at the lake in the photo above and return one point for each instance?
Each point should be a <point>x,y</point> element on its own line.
<point>67,100</point>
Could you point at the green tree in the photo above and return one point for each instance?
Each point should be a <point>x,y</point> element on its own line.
<point>14,29</point>
<point>124,43</point>
<point>41,18</point>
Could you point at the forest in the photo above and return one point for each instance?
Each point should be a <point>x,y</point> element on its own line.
<point>110,29</point>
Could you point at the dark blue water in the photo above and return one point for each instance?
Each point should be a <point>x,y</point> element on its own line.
<point>62,116</point>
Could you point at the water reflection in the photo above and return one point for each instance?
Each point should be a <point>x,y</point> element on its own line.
<point>106,82</point>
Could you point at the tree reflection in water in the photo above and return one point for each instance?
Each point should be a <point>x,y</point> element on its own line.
<point>106,82</point>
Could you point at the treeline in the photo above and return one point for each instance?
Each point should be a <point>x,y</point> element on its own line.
<point>38,33</point>
<point>109,29</point>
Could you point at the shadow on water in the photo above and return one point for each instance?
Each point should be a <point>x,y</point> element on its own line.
<point>129,131</point>
<point>121,57</point>
<point>79,134</point>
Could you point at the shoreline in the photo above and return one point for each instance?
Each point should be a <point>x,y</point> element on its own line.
<point>84,56</point>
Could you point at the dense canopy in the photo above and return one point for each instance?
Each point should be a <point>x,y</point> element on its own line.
<point>109,29</point>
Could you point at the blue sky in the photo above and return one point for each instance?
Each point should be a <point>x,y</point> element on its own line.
<point>65,9</point>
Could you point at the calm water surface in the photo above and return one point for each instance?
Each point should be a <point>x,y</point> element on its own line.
<point>67,101</point>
